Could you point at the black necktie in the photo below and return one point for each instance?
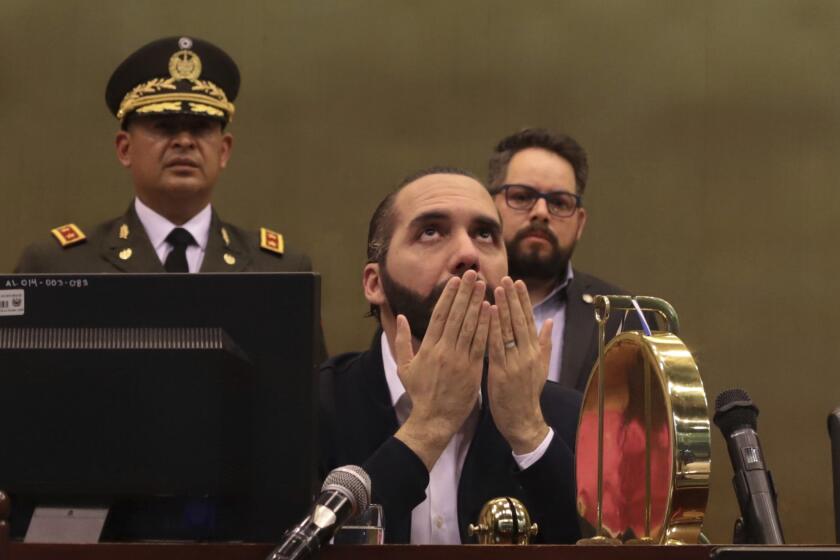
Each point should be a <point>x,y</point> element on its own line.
<point>176,261</point>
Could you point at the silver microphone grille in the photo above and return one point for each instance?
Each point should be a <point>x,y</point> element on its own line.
<point>352,481</point>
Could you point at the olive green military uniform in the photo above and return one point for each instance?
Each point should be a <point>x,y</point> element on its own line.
<point>121,245</point>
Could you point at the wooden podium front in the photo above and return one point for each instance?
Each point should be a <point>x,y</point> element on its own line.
<point>20,551</point>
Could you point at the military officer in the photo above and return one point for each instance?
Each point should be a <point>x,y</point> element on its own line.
<point>174,99</point>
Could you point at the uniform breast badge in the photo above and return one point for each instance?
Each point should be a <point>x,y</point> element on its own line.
<point>271,241</point>
<point>68,234</point>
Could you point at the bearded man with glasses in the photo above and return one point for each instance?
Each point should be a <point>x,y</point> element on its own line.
<point>537,178</point>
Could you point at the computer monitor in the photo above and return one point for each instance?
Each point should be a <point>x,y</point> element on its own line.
<point>834,436</point>
<point>187,403</point>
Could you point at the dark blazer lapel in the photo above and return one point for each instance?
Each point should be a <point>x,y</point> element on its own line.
<point>376,389</point>
<point>484,476</point>
<point>225,251</point>
<point>377,420</point>
<point>580,333</point>
<point>127,247</point>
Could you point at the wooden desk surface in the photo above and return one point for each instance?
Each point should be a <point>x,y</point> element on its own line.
<point>20,551</point>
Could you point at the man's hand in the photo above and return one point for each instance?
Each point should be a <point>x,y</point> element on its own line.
<point>444,377</point>
<point>518,367</point>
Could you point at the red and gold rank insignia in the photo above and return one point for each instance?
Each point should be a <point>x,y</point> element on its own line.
<point>68,234</point>
<point>271,241</point>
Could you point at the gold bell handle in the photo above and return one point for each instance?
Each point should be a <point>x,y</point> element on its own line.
<point>477,530</point>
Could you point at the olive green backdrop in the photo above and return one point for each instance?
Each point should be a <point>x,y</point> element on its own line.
<point>712,127</point>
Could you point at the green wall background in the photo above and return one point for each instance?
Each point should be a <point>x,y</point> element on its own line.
<point>712,129</point>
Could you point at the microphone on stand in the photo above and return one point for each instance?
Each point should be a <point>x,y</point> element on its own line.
<point>344,494</point>
<point>737,418</point>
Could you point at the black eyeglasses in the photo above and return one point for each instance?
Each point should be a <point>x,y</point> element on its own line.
<point>522,197</point>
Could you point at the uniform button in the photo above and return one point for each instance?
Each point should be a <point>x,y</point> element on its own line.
<point>438,521</point>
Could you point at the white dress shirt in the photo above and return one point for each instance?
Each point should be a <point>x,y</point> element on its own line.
<point>158,228</point>
<point>435,520</point>
<point>553,306</point>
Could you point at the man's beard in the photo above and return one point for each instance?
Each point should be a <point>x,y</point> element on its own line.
<point>416,308</point>
<point>529,263</point>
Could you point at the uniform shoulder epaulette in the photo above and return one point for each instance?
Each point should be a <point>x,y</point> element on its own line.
<point>271,241</point>
<point>68,235</point>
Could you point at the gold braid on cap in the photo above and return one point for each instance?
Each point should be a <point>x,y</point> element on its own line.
<point>149,97</point>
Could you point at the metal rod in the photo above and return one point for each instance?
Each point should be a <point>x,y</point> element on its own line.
<point>602,313</point>
<point>648,406</point>
<point>647,303</point>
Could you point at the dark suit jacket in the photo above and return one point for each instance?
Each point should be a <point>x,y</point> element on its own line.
<point>357,427</point>
<point>101,251</point>
<point>580,333</point>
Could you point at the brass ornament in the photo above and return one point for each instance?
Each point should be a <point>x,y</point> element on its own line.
<point>124,231</point>
<point>643,442</point>
<point>125,254</point>
<point>503,521</point>
<point>185,65</point>
<point>229,259</point>
<point>225,237</point>
<point>587,298</point>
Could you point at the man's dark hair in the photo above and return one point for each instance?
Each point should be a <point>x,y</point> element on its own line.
<point>561,144</point>
<point>382,223</point>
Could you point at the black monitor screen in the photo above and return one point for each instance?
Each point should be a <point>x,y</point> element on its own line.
<point>184,402</point>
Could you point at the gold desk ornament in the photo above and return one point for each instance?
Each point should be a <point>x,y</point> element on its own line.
<point>643,452</point>
<point>503,521</point>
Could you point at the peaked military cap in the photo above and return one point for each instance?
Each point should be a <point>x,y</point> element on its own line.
<point>176,75</point>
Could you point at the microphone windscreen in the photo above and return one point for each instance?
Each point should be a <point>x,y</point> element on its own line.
<point>726,398</point>
<point>733,409</point>
<point>352,479</point>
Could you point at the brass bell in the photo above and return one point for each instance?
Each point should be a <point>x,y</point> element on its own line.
<point>503,521</point>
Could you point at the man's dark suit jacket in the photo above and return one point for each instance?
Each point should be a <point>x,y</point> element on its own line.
<point>357,427</point>
<point>580,333</point>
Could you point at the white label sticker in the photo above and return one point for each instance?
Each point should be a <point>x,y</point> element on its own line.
<point>11,302</point>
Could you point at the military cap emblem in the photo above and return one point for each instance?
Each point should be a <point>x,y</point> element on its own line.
<point>68,234</point>
<point>175,76</point>
<point>185,65</point>
<point>271,241</point>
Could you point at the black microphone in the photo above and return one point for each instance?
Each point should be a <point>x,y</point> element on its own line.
<point>737,418</point>
<point>344,494</point>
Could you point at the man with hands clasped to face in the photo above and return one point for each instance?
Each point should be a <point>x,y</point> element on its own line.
<point>443,379</point>
<point>450,406</point>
